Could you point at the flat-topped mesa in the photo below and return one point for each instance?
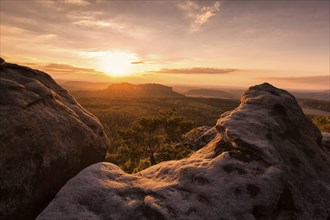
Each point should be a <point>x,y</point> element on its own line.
<point>265,162</point>
<point>140,90</point>
<point>46,138</point>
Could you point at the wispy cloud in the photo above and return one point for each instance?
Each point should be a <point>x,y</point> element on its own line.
<point>272,35</point>
<point>76,2</point>
<point>199,14</point>
<point>92,23</point>
<point>322,79</point>
<point>59,68</point>
<point>196,70</point>
<point>93,19</point>
<point>61,71</point>
<point>65,68</point>
<point>137,62</point>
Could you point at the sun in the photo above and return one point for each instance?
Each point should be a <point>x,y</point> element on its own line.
<point>117,63</point>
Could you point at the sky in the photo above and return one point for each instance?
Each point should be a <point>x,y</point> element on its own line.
<point>205,43</point>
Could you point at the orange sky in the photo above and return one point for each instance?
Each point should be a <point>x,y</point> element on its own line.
<point>232,43</point>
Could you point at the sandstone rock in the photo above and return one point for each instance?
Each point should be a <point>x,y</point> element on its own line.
<point>326,141</point>
<point>199,137</point>
<point>266,162</point>
<point>46,138</point>
<point>2,62</point>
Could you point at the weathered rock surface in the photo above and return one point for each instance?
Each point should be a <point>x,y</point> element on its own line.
<point>266,162</point>
<point>46,138</point>
<point>199,137</point>
<point>326,141</point>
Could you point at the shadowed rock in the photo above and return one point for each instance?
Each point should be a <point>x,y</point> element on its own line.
<point>265,162</point>
<point>46,138</point>
<point>326,141</point>
<point>199,137</point>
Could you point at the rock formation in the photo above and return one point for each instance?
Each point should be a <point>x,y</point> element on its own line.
<point>199,137</point>
<point>265,162</point>
<point>326,141</point>
<point>46,138</point>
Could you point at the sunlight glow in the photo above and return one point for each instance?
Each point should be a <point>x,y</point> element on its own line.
<point>117,63</point>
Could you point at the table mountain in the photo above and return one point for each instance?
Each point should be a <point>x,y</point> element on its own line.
<point>139,90</point>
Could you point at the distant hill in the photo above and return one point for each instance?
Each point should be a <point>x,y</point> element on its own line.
<point>317,95</point>
<point>83,86</point>
<point>208,93</point>
<point>140,90</point>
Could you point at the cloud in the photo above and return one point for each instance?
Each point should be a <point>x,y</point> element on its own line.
<point>62,69</point>
<point>137,62</point>
<point>76,2</point>
<point>65,68</point>
<point>322,79</point>
<point>196,70</point>
<point>94,19</point>
<point>92,23</point>
<point>270,36</point>
<point>200,14</point>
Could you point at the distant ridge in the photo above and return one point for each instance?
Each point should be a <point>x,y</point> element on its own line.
<point>139,90</point>
<point>208,93</point>
<point>317,95</point>
<point>83,86</point>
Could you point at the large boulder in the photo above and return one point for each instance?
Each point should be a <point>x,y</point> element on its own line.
<point>265,162</point>
<point>46,138</point>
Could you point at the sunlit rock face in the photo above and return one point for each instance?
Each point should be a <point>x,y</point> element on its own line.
<point>265,162</point>
<point>46,138</point>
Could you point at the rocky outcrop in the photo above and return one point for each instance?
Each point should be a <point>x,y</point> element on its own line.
<point>46,138</point>
<point>199,137</point>
<point>326,141</point>
<point>265,162</point>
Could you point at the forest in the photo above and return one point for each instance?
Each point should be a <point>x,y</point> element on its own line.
<point>145,131</point>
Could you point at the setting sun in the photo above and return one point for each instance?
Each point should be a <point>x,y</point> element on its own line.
<point>117,63</point>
